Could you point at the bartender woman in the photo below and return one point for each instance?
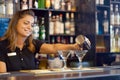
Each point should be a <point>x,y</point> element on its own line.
<point>18,48</point>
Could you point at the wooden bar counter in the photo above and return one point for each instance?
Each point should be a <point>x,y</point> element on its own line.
<point>106,73</point>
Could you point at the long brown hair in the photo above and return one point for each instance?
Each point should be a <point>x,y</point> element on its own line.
<point>11,33</point>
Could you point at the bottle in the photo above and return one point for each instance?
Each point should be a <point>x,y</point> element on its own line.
<point>47,4</point>
<point>52,2</point>
<point>31,3</point>
<point>16,5</point>
<point>57,25</point>
<point>36,29</point>
<point>62,5</point>
<point>111,15</point>
<point>68,5</point>
<point>52,40</point>
<point>119,41</point>
<point>2,8</point>
<point>72,24</point>
<point>67,24</point>
<point>61,28</point>
<point>73,5</point>
<point>97,24</point>
<point>101,2</point>
<point>35,4</point>
<point>97,2</point>
<point>24,5</point>
<point>51,24</point>
<point>41,4</point>
<point>116,37</point>
<point>56,4</point>
<point>112,40</point>
<point>42,32</point>
<point>71,40</point>
<point>105,23</point>
<point>9,8</point>
<point>116,16</point>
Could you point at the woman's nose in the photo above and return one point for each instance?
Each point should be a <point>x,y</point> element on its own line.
<point>30,26</point>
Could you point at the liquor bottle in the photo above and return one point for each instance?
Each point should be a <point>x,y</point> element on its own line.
<point>16,6</point>
<point>72,24</point>
<point>2,8</point>
<point>47,4</point>
<point>116,16</point>
<point>56,4</point>
<point>53,19</point>
<point>51,24</point>
<point>111,15</point>
<point>67,24</point>
<point>52,3</point>
<point>9,8</point>
<point>62,5</point>
<point>97,24</point>
<point>61,28</point>
<point>119,41</point>
<point>101,2</point>
<point>36,29</point>
<point>105,23</point>
<point>35,4</point>
<point>41,4</point>
<point>116,37</point>
<point>97,2</point>
<point>42,32</point>
<point>71,40</point>
<point>57,25</point>
<point>68,5</point>
<point>31,3</point>
<point>52,40</point>
<point>24,5</point>
<point>112,40</point>
<point>73,5</point>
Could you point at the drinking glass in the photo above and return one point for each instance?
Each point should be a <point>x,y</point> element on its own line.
<point>80,55</point>
<point>64,55</point>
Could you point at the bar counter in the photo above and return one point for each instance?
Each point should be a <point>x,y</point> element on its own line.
<point>105,73</point>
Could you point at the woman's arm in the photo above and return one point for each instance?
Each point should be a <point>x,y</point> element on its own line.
<point>2,66</point>
<point>53,48</point>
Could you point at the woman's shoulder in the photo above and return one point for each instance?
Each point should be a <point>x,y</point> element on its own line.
<point>4,42</point>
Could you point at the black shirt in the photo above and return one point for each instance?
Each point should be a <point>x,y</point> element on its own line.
<point>19,59</point>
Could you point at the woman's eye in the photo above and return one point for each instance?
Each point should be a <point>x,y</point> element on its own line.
<point>25,23</point>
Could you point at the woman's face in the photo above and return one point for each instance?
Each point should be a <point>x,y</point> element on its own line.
<point>24,26</point>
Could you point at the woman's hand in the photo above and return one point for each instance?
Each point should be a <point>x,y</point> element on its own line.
<point>78,47</point>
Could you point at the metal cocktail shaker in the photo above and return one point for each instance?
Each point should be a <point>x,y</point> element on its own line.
<point>82,40</point>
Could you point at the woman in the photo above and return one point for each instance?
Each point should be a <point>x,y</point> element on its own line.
<point>18,48</point>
